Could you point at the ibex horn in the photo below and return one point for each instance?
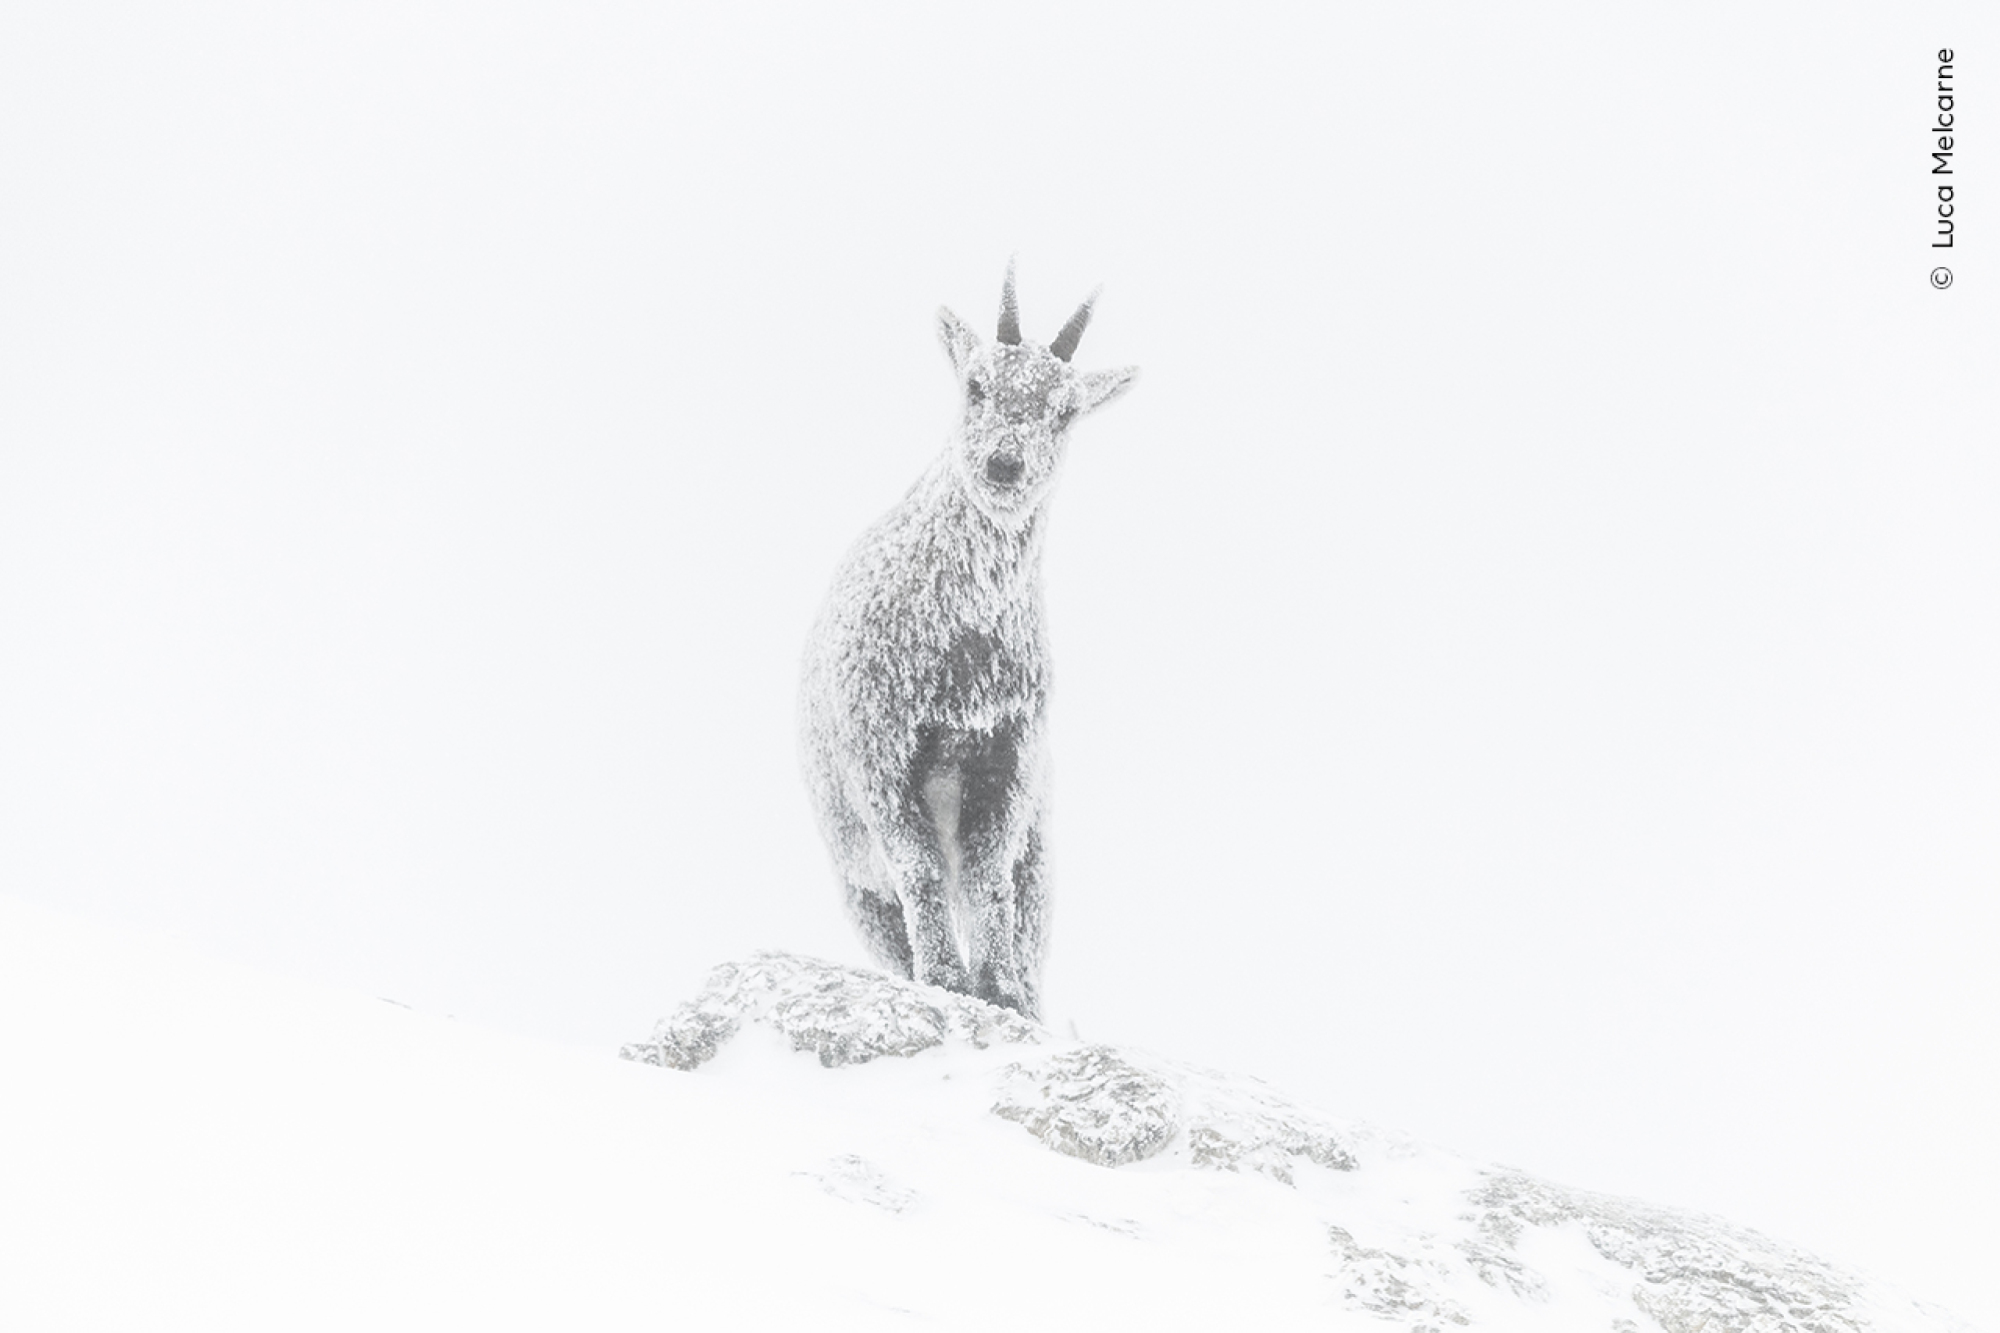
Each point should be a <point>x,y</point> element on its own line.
<point>1072,332</point>
<point>1010,313</point>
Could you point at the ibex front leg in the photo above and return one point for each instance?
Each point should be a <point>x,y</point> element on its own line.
<point>994,818</point>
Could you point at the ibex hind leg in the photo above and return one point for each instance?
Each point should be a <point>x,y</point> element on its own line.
<point>871,903</point>
<point>883,929</point>
<point>914,860</point>
<point>1031,921</point>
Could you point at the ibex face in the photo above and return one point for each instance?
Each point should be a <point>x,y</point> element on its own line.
<point>1020,401</point>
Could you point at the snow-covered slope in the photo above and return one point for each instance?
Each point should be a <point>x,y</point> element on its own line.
<point>1261,1202</point>
<point>185,1145</point>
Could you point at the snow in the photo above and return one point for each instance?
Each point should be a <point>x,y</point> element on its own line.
<point>185,1143</point>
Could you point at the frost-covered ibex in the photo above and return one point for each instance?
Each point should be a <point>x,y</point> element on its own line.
<point>926,680</point>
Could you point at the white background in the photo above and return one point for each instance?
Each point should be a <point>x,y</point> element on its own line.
<point>1526,648</point>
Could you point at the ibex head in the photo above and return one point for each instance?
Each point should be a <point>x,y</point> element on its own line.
<point>1020,400</point>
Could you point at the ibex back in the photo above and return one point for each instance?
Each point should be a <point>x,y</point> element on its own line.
<point>926,680</point>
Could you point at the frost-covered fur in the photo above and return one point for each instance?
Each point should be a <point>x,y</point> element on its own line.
<point>926,681</point>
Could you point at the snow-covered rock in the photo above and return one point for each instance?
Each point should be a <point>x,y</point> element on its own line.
<point>1105,1106</point>
<point>1393,1231</point>
<point>843,1015</point>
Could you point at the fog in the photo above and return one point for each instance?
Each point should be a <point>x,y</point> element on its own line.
<point>1528,639</point>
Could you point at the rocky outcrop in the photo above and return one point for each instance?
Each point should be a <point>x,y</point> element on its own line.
<point>1409,1235</point>
<point>1689,1272</point>
<point>844,1015</point>
<point>1105,1106</point>
<point>1090,1103</point>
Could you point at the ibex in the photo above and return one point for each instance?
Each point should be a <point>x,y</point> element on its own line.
<point>927,675</point>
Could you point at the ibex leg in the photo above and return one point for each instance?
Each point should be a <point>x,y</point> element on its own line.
<point>915,857</point>
<point>1031,918</point>
<point>880,920</point>
<point>994,810</point>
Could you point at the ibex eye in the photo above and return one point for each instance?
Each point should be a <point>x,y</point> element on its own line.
<point>975,392</point>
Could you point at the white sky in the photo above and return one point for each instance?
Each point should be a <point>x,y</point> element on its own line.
<point>1525,648</point>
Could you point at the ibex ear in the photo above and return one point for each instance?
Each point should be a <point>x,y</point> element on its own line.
<point>1099,387</point>
<point>960,342</point>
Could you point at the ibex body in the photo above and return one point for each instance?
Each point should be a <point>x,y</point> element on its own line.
<point>926,681</point>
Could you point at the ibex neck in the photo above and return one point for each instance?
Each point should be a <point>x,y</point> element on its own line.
<point>1004,557</point>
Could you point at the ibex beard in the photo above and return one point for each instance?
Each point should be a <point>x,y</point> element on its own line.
<point>925,697</point>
